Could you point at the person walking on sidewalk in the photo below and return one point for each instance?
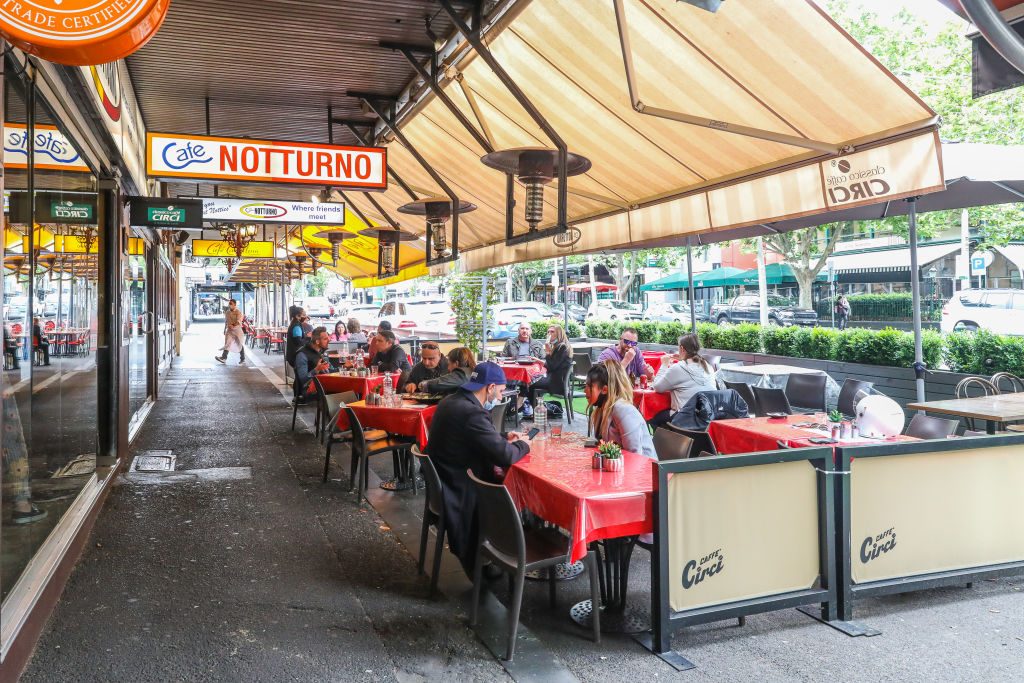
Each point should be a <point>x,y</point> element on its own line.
<point>234,340</point>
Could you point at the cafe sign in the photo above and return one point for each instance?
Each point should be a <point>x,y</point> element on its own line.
<point>199,157</point>
<point>52,150</point>
<point>272,211</point>
<point>81,32</point>
<point>163,212</point>
<point>222,249</point>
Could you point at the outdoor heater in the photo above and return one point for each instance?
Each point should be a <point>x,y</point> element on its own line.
<point>335,236</point>
<point>438,210</point>
<point>534,167</point>
<point>388,240</point>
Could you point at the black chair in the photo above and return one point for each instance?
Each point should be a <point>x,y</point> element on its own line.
<point>329,404</point>
<point>363,449</point>
<point>671,444</point>
<point>702,442</point>
<point>928,427</point>
<point>772,401</point>
<point>516,551</point>
<point>806,391</point>
<point>746,393</point>
<point>334,434</point>
<point>498,412</point>
<point>581,366</point>
<point>433,516</point>
<point>565,393</point>
<point>853,390</point>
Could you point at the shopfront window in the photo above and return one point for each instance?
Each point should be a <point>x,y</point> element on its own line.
<point>50,258</point>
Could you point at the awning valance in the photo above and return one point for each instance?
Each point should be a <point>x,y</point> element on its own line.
<point>890,259</point>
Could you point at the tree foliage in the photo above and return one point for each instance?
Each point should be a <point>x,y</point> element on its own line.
<point>465,294</point>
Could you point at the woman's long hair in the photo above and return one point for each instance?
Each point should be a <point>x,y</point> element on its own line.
<point>690,345</point>
<point>353,326</point>
<point>344,329</point>
<point>561,338</point>
<point>608,374</point>
<point>461,357</point>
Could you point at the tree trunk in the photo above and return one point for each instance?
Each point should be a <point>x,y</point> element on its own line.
<point>593,279</point>
<point>805,281</point>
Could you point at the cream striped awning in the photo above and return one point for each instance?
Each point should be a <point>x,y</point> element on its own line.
<point>781,66</point>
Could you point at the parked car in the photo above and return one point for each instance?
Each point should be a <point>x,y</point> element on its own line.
<point>672,312</point>
<point>434,315</point>
<point>747,308</point>
<point>365,314</point>
<point>996,310</point>
<point>318,307</point>
<point>514,313</point>
<point>607,309</point>
<point>16,308</point>
<point>577,313</point>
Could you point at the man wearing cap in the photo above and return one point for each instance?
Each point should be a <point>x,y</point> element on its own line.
<point>463,437</point>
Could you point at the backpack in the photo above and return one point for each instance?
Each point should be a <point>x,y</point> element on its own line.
<point>554,410</point>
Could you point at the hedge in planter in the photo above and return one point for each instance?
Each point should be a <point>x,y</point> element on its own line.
<point>984,353</point>
<point>540,327</point>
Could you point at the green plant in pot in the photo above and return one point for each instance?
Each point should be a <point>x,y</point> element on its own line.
<point>612,454</point>
<point>835,416</point>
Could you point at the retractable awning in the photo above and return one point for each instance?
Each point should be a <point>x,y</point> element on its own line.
<point>1014,253</point>
<point>890,259</point>
<point>775,274</point>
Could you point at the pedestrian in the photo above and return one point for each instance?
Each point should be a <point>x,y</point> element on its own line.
<point>613,417</point>
<point>294,338</point>
<point>628,355</point>
<point>233,337</point>
<point>310,360</point>
<point>684,374</point>
<point>462,436</point>
<point>431,366</point>
<point>843,309</point>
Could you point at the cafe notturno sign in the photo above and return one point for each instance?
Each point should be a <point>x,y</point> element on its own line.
<point>200,157</point>
<point>81,32</point>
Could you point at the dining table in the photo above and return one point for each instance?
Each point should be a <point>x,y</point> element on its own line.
<point>775,376</point>
<point>995,410</point>
<point>753,434</point>
<point>650,402</point>
<point>527,374</point>
<point>602,512</point>
<point>336,382</point>
<point>410,419</point>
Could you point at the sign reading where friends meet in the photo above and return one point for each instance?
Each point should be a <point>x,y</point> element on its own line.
<point>202,157</point>
<point>224,209</point>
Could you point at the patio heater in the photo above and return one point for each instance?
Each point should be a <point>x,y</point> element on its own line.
<point>437,211</point>
<point>388,240</point>
<point>534,167</point>
<point>335,236</point>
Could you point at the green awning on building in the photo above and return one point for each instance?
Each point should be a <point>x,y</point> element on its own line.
<point>775,274</point>
<point>681,281</point>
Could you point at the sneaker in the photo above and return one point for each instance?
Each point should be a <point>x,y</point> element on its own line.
<point>33,514</point>
<point>241,361</point>
<point>219,359</point>
<point>527,410</point>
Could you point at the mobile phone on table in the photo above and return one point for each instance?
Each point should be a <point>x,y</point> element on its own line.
<point>822,441</point>
<point>532,433</point>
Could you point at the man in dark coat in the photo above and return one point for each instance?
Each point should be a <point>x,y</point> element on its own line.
<point>309,361</point>
<point>390,356</point>
<point>463,437</point>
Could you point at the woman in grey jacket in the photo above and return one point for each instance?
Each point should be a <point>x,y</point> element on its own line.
<point>684,375</point>
<point>613,417</point>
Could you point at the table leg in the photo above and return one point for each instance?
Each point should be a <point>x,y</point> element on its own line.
<point>991,426</point>
<point>613,573</point>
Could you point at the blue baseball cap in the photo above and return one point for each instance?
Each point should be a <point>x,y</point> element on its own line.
<point>484,374</point>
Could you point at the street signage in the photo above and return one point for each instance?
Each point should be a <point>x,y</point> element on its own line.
<point>163,212</point>
<point>272,211</point>
<point>53,151</point>
<point>981,262</point>
<point>221,249</point>
<point>54,207</point>
<point>201,157</point>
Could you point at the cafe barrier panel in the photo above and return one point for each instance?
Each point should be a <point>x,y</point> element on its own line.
<point>917,515</point>
<point>738,535</point>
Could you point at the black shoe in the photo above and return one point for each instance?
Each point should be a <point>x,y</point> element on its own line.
<point>219,359</point>
<point>28,516</point>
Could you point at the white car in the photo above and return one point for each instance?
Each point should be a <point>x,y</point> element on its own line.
<point>512,314</point>
<point>365,314</point>
<point>318,307</point>
<point>434,315</point>
<point>669,312</point>
<point>1000,311</point>
<point>607,309</point>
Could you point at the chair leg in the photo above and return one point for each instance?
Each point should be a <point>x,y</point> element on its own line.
<point>295,412</point>
<point>595,593</point>
<point>552,587</point>
<point>513,617</point>
<point>424,533</point>
<point>327,458</point>
<point>438,547</point>
<point>478,579</point>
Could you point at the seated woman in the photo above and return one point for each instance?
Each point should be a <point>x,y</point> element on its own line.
<point>340,332</point>
<point>460,366</point>
<point>355,333</point>
<point>613,417</point>
<point>557,360</point>
<point>684,375</point>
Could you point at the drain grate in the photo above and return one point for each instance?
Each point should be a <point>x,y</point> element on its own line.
<point>154,461</point>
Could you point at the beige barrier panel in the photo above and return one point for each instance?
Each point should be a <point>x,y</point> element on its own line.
<point>742,533</point>
<point>930,512</point>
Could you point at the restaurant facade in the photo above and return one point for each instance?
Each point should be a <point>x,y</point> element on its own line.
<point>103,295</point>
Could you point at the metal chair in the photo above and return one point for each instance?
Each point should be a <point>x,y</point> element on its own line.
<point>1007,383</point>
<point>516,551</point>
<point>671,444</point>
<point>581,366</point>
<point>702,442</point>
<point>972,387</point>
<point>498,412</point>
<point>772,401</point>
<point>746,393</point>
<point>851,393</point>
<point>927,427</point>
<point>806,391</point>
<point>433,516</point>
<point>363,449</point>
<point>713,361</point>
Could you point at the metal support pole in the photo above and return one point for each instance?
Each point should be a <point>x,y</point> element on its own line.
<point>689,284</point>
<point>915,289</point>
<point>367,142</point>
<point>762,284</point>
<point>483,306</point>
<point>565,293</point>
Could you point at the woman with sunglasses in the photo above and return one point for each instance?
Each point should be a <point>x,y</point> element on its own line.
<point>613,417</point>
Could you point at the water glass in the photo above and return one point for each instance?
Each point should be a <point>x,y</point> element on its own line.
<point>556,429</point>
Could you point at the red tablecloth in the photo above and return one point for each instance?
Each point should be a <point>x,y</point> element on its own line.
<point>405,421</point>
<point>748,435</point>
<point>654,359</point>
<point>649,402</point>
<point>335,383</point>
<point>523,373</point>
<point>556,482</point>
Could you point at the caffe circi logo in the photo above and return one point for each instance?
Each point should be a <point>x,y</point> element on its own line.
<point>262,210</point>
<point>846,183</point>
<point>81,32</point>
<point>170,214</point>
<point>710,565</point>
<point>873,547</point>
<point>70,210</point>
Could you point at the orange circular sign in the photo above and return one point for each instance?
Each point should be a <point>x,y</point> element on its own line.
<point>81,32</point>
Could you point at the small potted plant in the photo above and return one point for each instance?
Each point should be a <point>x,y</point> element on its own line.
<point>835,419</point>
<point>612,454</point>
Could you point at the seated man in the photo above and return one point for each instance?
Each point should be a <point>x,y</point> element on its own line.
<point>390,357</point>
<point>463,437</point>
<point>460,365</point>
<point>39,341</point>
<point>523,347</point>
<point>311,360</point>
<point>431,366</point>
<point>11,348</point>
<point>628,355</point>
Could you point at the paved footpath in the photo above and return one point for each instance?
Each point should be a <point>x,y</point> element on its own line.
<point>280,577</point>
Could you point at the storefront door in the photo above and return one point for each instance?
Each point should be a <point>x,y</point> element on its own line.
<point>138,325</point>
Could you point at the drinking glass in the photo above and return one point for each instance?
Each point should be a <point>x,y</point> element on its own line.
<point>556,429</point>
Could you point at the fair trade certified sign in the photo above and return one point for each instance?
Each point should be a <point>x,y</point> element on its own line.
<point>221,209</point>
<point>200,157</point>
